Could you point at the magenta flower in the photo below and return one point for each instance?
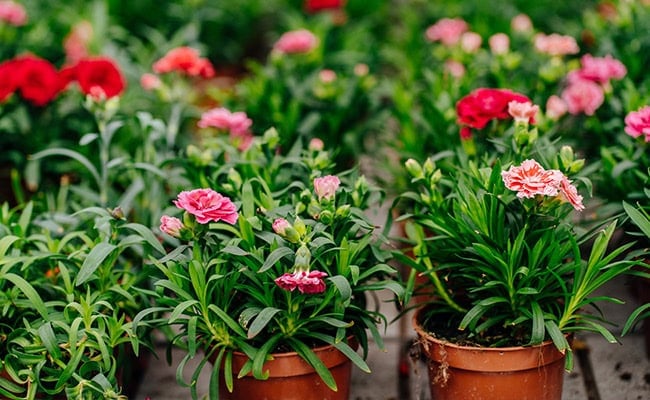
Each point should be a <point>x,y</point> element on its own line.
<point>599,69</point>
<point>637,123</point>
<point>171,225</point>
<point>326,186</point>
<point>523,112</point>
<point>236,124</point>
<point>299,41</point>
<point>306,282</point>
<point>530,179</point>
<point>583,96</point>
<point>207,205</point>
<point>447,31</point>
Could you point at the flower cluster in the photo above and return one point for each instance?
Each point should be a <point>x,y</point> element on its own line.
<point>236,124</point>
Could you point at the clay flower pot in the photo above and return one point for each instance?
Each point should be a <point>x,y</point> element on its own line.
<point>480,373</point>
<point>292,378</point>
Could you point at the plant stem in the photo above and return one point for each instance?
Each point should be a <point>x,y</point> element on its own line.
<point>440,289</point>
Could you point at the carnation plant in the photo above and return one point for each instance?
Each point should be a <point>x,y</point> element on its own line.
<point>260,269</point>
<point>497,240</point>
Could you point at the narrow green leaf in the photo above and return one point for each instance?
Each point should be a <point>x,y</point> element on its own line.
<point>262,319</point>
<point>274,257</point>
<point>94,260</point>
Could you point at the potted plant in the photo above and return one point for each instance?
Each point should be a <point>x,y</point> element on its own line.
<point>275,260</point>
<point>499,244</point>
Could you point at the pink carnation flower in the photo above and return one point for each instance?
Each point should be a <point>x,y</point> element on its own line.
<point>280,226</point>
<point>499,43</point>
<point>555,107</point>
<point>637,123</point>
<point>470,42</point>
<point>556,44</point>
<point>207,205</point>
<point>454,68</point>
<point>521,23</point>
<point>12,13</point>
<point>237,123</point>
<point>326,186</point>
<point>569,193</point>
<point>184,60</point>
<point>523,111</point>
<point>530,179</point>
<point>582,96</point>
<point>599,69</point>
<point>171,225</point>
<point>447,31</point>
<point>299,41</point>
<point>150,81</point>
<point>307,282</point>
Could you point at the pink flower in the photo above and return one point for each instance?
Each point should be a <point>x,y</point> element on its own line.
<point>454,68</point>
<point>555,107</point>
<point>12,13</point>
<point>299,41</point>
<point>569,193</point>
<point>76,43</point>
<point>327,76</point>
<point>306,282</point>
<point>499,43</point>
<point>150,81</point>
<point>470,42</point>
<point>599,69</point>
<point>530,179</point>
<point>521,23</point>
<point>326,186</point>
<point>583,96</point>
<point>361,69</point>
<point>207,205</point>
<point>237,123</point>
<point>523,111</point>
<point>637,123</point>
<point>184,60</point>
<point>280,226</point>
<point>556,44</point>
<point>447,31</point>
<point>316,144</point>
<point>171,225</point>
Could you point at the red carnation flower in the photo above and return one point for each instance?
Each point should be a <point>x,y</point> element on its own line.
<point>8,79</point>
<point>94,73</point>
<point>313,6</point>
<point>483,105</point>
<point>36,79</point>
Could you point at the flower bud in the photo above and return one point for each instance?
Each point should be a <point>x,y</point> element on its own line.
<point>283,228</point>
<point>300,227</point>
<point>414,169</point>
<point>343,211</point>
<point>429,167</point>
<point>566,155</point>
<point>171,226</point>
<point>303,258</point>
<point>271,137</point>
<point>326,217</point>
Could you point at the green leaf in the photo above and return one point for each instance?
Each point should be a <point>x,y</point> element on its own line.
<point>638,314</point>
<point>25,218</point>
<point>29,292</point>
<point>48,337</point>
<point>275,256</point>
<point>538,332</point>
<point>94,260</point>
<point>308,355</point>
<point>638,218</point>
<point>6,242</point>
<point>147,235</point>
<point>71,154</point>
<point>262,319</point>
<point>232,324</point>
<point>343,286</point>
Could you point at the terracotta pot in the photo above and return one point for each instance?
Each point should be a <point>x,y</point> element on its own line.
<point>479,373</point>
<point>292,378</point>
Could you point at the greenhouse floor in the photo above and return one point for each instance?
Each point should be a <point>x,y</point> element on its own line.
<point>603,371</point>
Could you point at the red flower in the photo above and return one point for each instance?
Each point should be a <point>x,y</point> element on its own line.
<point>185,60</point>
<point>8,79</point>
<point>100,73</point>
<point>483,105</point>
<point>306,282</point>
<point>36,79</point>
<point>313,6</point>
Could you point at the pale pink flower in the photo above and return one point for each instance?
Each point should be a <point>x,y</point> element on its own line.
<point>237,123</point>
<point>326,186</point>
<point>207,205</point>
<point>499,43</point>
<point>455,68</point>
<point>531,179</point>
<point>280,226</point>
<point>150,81</point>
<point>470,42</point>
<point>555,107</point>
<point>306,282</point>
<point>76,43</point>
<point>569,193</point>
<point>316,144</point>
<point>523,112</point>
<point>447,31</point>
<point>327,76</point>
<point>637,123</point>
<point>361,69</point>
<point>583,96</point>
<point>521,23</point>
<point>171,225</point>
<point>299,41</point>
<point>556,44</point>
<point>12,13</point>
<point>599,69</point>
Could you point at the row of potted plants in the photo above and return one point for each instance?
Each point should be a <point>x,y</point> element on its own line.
<point>232,211</point>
